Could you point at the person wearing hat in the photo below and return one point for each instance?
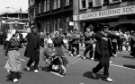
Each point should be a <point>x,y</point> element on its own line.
<point>33,49</point>
<point>103,52</point>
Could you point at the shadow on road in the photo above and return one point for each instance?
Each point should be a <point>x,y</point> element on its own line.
<point>88,75</point>
<point>129,66</point>
<point>11,76</point>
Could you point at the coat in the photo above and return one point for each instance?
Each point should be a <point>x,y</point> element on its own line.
<point>14,62</point>
<point>103,50</point>
<point>33,45</point>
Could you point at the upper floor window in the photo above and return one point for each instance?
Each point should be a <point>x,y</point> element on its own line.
<point>48,5</point>
<point>67,3</point>
<point>114,1</point>
<point>106,2</point>
<point>98,3</point>
<point>89,3</point>
<point>45,4</point>
<point>31,2</point>
<point>56,4</point>
<point>82,4</point>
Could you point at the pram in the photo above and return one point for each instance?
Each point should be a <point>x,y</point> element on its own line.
<point>54,63</point>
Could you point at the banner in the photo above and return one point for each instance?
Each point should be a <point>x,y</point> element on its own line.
<point>107,13</point>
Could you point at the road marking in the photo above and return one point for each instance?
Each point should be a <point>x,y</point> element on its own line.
<point>57,74</point>
<point>122,66</point>
<point>82,83</point>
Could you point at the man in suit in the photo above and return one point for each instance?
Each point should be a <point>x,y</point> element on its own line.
<point>103,52</point>
<point>33,49</point>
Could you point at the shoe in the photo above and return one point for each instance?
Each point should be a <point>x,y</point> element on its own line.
<point>78,55</point>
<point>109,79</point>
<point>115,55</point>
<point>110,62</point>
<point>8,71</point>
<point>71,55</point>
<point>15,80</point>
<point>36,70</point>
<point>92,58</point>
<point>83,58</point>
<point>28,68</point>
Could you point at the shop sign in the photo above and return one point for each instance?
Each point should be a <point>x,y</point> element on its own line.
<point>107,13</point>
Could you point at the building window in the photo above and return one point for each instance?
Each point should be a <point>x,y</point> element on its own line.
<point>54,4</point>
<point>98,3</point>
<point>48,5</point>
<point>67,3</point>
<point>58,3</point>
<point>106,2</point>
<point>82,4</point>
<point>114,1</point>
<point>39,7</point>
<point>45,2</point>
<point>31,2</point>
<point>89,3</point>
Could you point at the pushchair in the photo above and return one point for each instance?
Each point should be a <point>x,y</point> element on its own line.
<point>55,63</point>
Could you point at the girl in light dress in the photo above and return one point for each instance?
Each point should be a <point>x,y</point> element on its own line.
<point>14,62</point>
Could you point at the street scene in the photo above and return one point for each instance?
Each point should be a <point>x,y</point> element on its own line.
<point>67,41</point>
<point>78,72</point>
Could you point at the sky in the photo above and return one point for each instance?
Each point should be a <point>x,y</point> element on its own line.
<point>7,6</point>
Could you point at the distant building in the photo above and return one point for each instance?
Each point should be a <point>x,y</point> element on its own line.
<point>14,20</point>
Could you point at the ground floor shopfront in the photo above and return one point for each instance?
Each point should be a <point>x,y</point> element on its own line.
<point>124,23</point>
<point>118,18</point>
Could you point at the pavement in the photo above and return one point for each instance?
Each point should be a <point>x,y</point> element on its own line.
<point>122,71</point>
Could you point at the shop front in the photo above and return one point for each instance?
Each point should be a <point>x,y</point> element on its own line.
<point>116,18</point>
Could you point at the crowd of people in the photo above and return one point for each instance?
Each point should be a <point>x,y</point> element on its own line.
<point>100,43</point>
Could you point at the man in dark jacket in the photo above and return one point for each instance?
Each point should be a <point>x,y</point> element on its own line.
<point>33,49</point>
<point>103,52</point>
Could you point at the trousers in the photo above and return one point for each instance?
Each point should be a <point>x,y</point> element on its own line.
<point>103,64</point>
<point>34,60</point>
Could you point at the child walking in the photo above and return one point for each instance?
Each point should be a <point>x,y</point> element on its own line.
<point>14,62</point>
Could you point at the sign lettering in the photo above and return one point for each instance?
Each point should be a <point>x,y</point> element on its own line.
<point>107,13</point>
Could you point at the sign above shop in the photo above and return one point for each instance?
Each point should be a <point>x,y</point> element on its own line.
<point>107,13</point>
